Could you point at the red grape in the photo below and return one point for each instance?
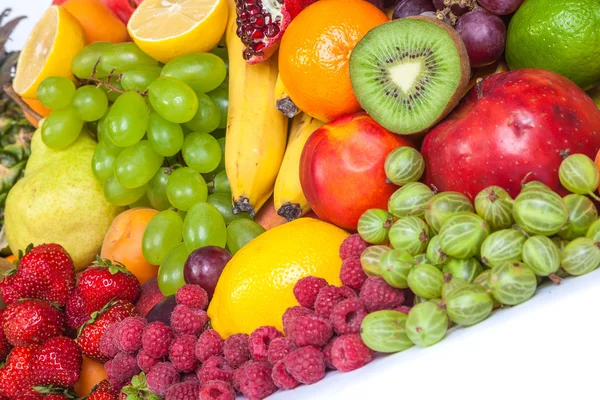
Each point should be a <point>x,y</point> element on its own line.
<point>204,266</point>
<point>389,3</point>
<point>456,9</point>
<point>162,310</point>
<point>407,8</point>
<point>484,35</point>
<point>377,3</point>
<point>501,7</point>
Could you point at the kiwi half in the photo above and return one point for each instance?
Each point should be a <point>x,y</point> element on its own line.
<point>409,73</point>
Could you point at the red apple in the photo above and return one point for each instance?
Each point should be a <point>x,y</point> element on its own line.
<point>514,124</point>
<point>341,168</point>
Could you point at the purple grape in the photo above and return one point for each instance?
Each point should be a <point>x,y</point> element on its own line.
<point>389,3</point>
<point>162,310</point>
<point>204,266</point>
<point>484,35</point>
<point>501,7</point>
<point>456,9</point>
<point>378,3</point>
<point>408,8</point>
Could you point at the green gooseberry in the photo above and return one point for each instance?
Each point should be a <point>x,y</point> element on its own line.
<point>370,259</point>
<point>593,231</point>
<point>579,174</point>
<point>374,225</point>
<point>435,254</point>
<point>427,324</point>
<point>581,256</point>
<point>444,205</point>
<point>469,305</point>
<point>582,214</point>
<point>451,284</point>
<point>495,205</point>
<point>541,255</point>
<point>395,266</point>
<point>462,234</point>
<point>404,165</point>
<point>512,282</point>
<point>410,234</point>
<point>385,331</point>
<point>410,199</point>
<point>540,212</point>
<point>503,245</point>
<point>464,268</point>
<point>426,281</point>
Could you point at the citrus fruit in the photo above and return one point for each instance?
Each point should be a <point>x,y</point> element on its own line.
<point>98,22</point>
<point>256,286</point>
<point>315,52</point>
<point>92,372</point>
<point>165,29</point>
<point>560,36</point>
<point>39,108</point>
<point>48,51</point>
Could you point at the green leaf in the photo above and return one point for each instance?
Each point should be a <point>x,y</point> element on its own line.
<point>132,397</point>
<point>129,390</point>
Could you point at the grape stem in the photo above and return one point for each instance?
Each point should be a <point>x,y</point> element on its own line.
<point>107,84</point>
<point>8,89</point>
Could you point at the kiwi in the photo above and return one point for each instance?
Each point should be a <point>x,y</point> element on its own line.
<point>409,73</point>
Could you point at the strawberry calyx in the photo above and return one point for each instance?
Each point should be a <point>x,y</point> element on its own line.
<point>113,266</point>
<point>95,315</point>
<point>138,390</point>
<point>55,390</point>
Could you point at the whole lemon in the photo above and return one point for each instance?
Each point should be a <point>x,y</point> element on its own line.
<point>256,286</point>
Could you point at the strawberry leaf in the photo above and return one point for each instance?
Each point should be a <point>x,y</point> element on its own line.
<point>113,266</point>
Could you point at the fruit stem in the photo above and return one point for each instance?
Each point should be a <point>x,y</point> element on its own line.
<point>555,278</point>
<point>287,107</point>
<point>8,89</point>
<point>290,211</point>
<point>243,205</point>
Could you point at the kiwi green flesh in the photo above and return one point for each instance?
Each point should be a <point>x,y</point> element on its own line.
<point>405,73</point>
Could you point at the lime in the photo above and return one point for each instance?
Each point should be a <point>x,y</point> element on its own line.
<point>560,36</point>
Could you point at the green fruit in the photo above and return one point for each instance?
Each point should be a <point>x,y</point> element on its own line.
<point>469,305</point>
<point>494,205</point>
<point>422,259</point>
<point>426,324</point>
<point>426,281</point>
<point>534,185</point>
<point>370,259</point>
<point>540,212</point>
<point>579,174</point>
<point>410,234</point>
<point>395,266</point>
<point>541,255</point>
<point>462,234</point>
<point>512,283</point>
<point>451,284</point>
<point>560,243</point>
<point>482,280</point>
<point>374,225</point>
<point>240,232</point>
<point>435,254</point>
<point>593,231</point>
<point>581,256</point>
<point>404,165</point>
<point>582,214</point>
<point>500,246</point>
<point>444,205</point>
<point>410,200</point>
<point>464,268</point>
<point>385,331</point>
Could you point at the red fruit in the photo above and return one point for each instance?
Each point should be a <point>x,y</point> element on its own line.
<point>328,297</point>
<point>216,390</point>
<point>352,273</point>
<point>209,344</point>
<point>281,378</point>
<point>128,334</point>
<point>183,391</point>
<point>15,375</point>
<point>181,353</point>
<point>352,247</point>
<point>310,331</point>
<point>122,8</point>
<point>4,344</point>
<point>347,316</point>
<point>235,349</point>
<point>306,365</point>
<point>352,149</point>
<point>348,353</point>
<point>75,310</point>
<point>280,348</point>
<point>215,368</point>
<point>255,380</point>
<point>144,361</point>
<point>307,289</point>
<point>290,315</point>
<point>161,377</point>
<point>516,123</point>
<point>32,321</point>
<point>108,345</point>
<point>150,295</point>
<point>377,295</point>
<point>261,24</point>
<point>260,340</point>
<point>156,339</point>
<point>103,391</point>
<point>193,296</point>
<point>121,368</point>
<point>57,362</point>
<point>204,266</point>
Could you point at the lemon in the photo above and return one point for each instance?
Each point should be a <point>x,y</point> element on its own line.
<point>165,29</point>
<point>54,42</point>
<point>559,36</point>
<point>256,286</point>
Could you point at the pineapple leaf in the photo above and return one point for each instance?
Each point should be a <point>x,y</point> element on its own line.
<point>7,29</point>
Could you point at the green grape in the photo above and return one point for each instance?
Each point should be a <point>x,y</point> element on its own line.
<point>61,128</point>
<point>208,116</point>
<point>162,234</point>
<point>404,165</point>
<point>534,185</point>
<point>240,232</point>
<point>410,199</point>
<point>221,51</point>
<point>581,256</point>
<point>495,205</point>
<point>593,231</point>
<point>410,234</point>
<point>173,100</point>
<point>118,195</point>
<point>451,284</point>
<point>136,165</point>
<point>426,281</point>
<point>221,98</point>
<point>166,138</point>
<point>540,212</point>
<point>218,133</point>
<point>103,137</point>
<point>90,103</point>
<point>56,92</point>
<point>221,166</point>
<point>201,152</point>
<point>140,78</point>
<point>84,62</point>
<point>143,202</point>
<point>541,255</point>
<point>500,246</point>
<point>220,183</point>
<point>385,331</point>
<point>122,57</point>
<point>464,268</point>
<point>422,259</point>
<point>222,201</point>
<point>185,188</point>
<point>426,324</point>
<point>582,214</point>
<point>469,305</point>
<point>512,283</point>
<point>204,226</point>
<point>444,205</point>
<point>395,266</point>
<point>462,234</point>
<point>111,94</point>
<point>103,161</point>
<point>435,254</point>
<point>127,120</point>
<point>157,189</point>
<point>374,225</point>
<point>170,272</point>
<point>370,259</point>
<point>579,174</point>
<point>203,72</point>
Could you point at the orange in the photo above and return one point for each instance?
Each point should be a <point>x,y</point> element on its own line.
<point>92,372</point>
<point>123,242</point>
<point>98,21</point>
<point>315,53</point>
<point>39,108</point>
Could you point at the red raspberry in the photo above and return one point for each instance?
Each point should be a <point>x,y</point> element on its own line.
<point>189,377</point>
<point>291,314</point>
<point>403,309</point>
<point>255,380</point>
<point>215,368</point>
<point>161,377</point>
<point>306,365</point>
<point>128,334</point>
<point>347,316</point>
<point>156,339</point>
<point>352,274</point>
<point>122,368</point>
<point>183,391</point>
<point>310,331</point>
<point>281,378</point>
<point>280,348</point>
<point>235,349</point>
<point>348,353</point>
<point>329,296</point>
<point>145,361</point>
<point>193,296</point>
<point>187,321</point>
<point>108,345</point>
<point>217,390</point>
<point>260,340</point>
<point>378,295</point>
<point>409,297</point>
<point>306,290</point>
<point>327,354</point>
<point>181,353</point>
<point>237,377</point>
<point>209,344</point>
<point>352,247</point>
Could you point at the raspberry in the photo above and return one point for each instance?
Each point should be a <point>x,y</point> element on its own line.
<point>238,374</point>
<point>306,290</point>
<point>327,355</point>
<point>281,378</point>
<point>217,390</point>
<point>128,334</point>
<point>348,353</point>
<point>403,309</point>
<point>209,344</point>
<point>122,368</point>
<point>215,368</point>
<point>183,391</point>
<point>306,365</point>
<point>189,377</point>
<point>161,377</point>
<point>235,349</point>
<point>310,331</point>
<point>145,361</point>
<point>187,321</point>
<point>378,295</point>
<point>409,296</point>
<point>352,274</point>
<point>280,348</point>
<point>260,340</point>
<point>291,314</point>
<point>107,343</point>
<point>329,296</point>
<point>156,339</point>
<point>352,247</point>
<point>193,296</point>
<point>347,315</point>
<point>255,380</point>
<point>181,353</point>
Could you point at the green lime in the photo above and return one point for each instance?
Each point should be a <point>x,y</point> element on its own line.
<point>560,36</point>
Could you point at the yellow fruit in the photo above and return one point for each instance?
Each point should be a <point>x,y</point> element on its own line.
<point>256,286</point>
<point>49,50</point>
<point>166,29</point>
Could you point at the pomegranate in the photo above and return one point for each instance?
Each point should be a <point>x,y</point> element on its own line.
<point>261,23</point>
<point>509,126</point>
<point>122,8</point>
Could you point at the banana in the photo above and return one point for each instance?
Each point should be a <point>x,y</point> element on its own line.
<point>290,202</point>
<point>256,131</point>
<point>283,102</point>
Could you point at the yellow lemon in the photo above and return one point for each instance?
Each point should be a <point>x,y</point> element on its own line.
<point>165,29</point>
<point>256,286</point>
<point>54,42</point>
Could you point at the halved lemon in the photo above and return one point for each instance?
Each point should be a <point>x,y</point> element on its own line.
<point>49,50</point>
<point>166,29</point>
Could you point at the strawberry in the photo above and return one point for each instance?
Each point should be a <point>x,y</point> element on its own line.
<point>4,344</point>
<point>57,362</point>
<point>103,391</point>
<point>47,393</point>
<point>75,311</point>
<point>32,321</point>
<point>91,332</point>
<point>15,374</point>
